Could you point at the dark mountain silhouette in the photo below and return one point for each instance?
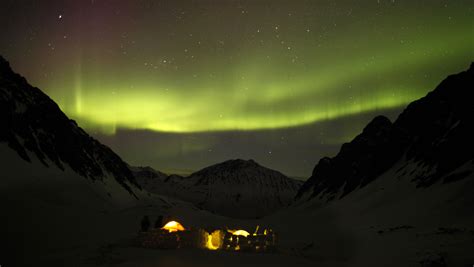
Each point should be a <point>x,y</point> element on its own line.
<point>158,182</point>
<point>242,171</point>
<point>435,131</point>
<point>147,173</point>
<point>237,188</point>
<point>33,125</point>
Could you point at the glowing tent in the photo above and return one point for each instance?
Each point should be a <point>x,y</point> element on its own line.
<point>173,226</point>
<point>239,232</point>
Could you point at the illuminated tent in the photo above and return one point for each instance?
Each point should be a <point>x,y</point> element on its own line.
<point>239,232</point>
<point>173,226</point>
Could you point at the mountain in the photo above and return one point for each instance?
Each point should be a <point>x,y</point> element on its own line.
<point>58,185</point>
<point>400,193</point>
<point>435,134</point>
<point>159,183</point>
<point>235,188</point>
<point>34,126</point>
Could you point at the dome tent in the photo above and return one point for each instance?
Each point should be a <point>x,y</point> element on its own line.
<point>173,226</point>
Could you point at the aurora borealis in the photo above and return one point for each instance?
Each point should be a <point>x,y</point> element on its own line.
<point>179,85</point>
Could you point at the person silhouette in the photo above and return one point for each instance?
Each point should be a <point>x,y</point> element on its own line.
<point>145,224</point>
<point>159,221</point>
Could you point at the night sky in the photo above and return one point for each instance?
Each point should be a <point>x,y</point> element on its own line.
<point>180,85</point>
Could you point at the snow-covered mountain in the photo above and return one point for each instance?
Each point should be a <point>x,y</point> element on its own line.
<point>160,183</point>
<point>235,188</point>
<point>35,127</point>
<point>431,141</point>
<point>56,182</point>
<point>399,194</point>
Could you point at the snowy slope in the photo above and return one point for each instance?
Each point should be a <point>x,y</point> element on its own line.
<point>54,217</point>
<point>389,222</point>
<point>235,188</point>
<point>399,194</point>
<point>32,124</point>
<point>156,182</point>
<point>53,174</point>
<point>435,132</point>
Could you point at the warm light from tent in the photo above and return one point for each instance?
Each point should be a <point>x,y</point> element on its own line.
<point>239,232</point>
<point>209,244</point>
<point>214,240</point>
<point>173,226</point>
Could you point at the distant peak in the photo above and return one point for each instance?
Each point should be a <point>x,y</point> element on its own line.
<point>233,165</point>
<point>378,123</point>
<point>6,71</point>
<point>4,65</point>
<point>241,162</point>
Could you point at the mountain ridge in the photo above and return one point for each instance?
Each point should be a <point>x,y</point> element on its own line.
<point>435,130</point>
<point>33,124</point>
<point>236,188</point>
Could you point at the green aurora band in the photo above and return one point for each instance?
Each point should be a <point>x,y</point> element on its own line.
<point>268,85</point>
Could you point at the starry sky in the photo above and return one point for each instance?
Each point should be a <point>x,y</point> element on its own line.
<point>179,85</point>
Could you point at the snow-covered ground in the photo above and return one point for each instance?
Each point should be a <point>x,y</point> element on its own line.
<point>58,218</point>
<point>389,222</point>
